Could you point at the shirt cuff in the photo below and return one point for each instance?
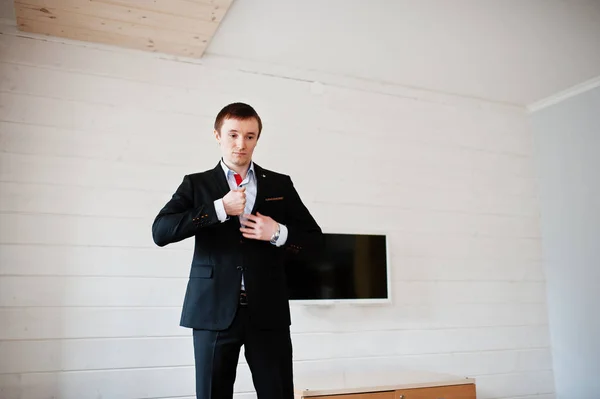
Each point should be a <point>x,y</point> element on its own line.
<point>283,235</point>
<point>220,209</point>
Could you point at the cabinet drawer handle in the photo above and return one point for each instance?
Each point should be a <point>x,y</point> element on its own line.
<point>401,396</point>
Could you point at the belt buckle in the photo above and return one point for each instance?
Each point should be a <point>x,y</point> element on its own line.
<point>243,298</point>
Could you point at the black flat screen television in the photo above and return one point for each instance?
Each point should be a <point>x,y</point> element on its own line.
<point>349,267</point>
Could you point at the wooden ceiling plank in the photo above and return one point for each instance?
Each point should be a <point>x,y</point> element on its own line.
<point>180,27</point>
<point>111,38</point>
<point>83,22</point>
<point>220,3</point>
<point>174,7</point>
<point>128,15</point>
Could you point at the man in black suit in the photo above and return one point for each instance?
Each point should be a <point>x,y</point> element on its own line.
<point>246,221</point>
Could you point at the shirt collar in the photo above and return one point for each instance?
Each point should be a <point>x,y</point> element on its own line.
<point>226,170</point>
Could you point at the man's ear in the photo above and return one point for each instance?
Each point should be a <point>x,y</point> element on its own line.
<point>217,136</point>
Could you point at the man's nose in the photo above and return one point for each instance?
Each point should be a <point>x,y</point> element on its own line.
<point>241,143</point>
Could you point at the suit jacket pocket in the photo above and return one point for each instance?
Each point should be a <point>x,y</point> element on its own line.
<point>201,271</point>
<point>273,207</point>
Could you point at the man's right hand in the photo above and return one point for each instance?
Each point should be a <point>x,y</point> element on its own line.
<point>234,202</point>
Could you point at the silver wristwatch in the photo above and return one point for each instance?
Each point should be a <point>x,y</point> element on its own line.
<point>275,235</point>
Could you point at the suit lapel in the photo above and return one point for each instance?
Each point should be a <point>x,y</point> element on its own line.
<point>260,183</point>
<point>220,180</point>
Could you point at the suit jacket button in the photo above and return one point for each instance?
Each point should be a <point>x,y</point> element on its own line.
<point>240,268</point>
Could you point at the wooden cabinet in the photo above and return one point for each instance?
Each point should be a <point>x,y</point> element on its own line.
<point>400,385</point>
<point>365,395</point>
<point>466,391</point>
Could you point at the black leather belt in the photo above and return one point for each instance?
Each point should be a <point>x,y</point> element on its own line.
<point>243,298</point>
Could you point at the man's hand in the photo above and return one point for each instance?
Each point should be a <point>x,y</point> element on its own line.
<point>259,227</point>
<point>234,202</point>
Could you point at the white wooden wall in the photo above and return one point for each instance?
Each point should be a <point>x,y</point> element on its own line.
<point>94,140</point>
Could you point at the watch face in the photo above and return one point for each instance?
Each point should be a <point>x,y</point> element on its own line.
<point>275,237</point>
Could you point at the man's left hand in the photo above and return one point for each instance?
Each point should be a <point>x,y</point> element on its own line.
<point>259,227</point>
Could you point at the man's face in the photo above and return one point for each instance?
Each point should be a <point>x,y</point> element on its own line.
<point>237,140</point>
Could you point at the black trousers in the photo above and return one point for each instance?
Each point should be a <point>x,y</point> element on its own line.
<point>268,353</point>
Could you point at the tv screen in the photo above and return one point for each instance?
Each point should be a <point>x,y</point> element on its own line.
<point>350,266</point>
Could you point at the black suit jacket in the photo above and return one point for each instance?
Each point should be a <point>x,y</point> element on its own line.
<point>222,254</point>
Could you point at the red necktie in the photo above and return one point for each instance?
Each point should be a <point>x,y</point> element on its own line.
<point>238,179</point>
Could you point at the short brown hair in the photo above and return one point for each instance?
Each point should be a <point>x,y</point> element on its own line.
<point>237,111</point>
